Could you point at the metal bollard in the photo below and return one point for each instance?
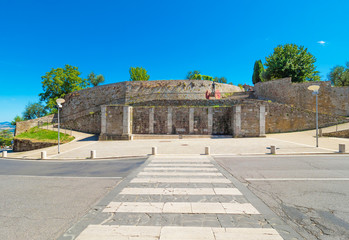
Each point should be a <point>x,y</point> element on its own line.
<point>342,148</point>
<point>272,150</point>
<point>43,155</point>
<point>4,154</point>
<point>93,154</point>
<point>154,150</point>
<point>207,150</point>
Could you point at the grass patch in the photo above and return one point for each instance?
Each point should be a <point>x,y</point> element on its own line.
<point>43,135</point>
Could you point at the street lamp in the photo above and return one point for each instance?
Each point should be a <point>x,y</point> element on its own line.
<point>59,102</point>
<point>315,89</point>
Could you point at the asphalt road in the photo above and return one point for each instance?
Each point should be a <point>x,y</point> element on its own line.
<point>42,199</point>
<point>310,193</point>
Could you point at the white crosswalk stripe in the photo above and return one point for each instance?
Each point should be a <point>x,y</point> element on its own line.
<point>180,191</point>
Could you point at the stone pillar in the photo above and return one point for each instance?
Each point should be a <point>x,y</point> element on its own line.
<point>210,120</point>
<point>262,121</point>
<point>237,121</point>
<point>191,120</point>
<point>169,121</point>
<point>103,119</point>
<point>151,120</point>
<point>342,148</point>
<point>126,121</point>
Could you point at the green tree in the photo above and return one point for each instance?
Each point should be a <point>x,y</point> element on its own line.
<point>339,75</point>
<point>257,71</point>
<point>59,82</point>
<point>194,75</point>
<point>220,80</point>
<point>138,74</point>
<point>16,119</point>
<point>94,80</point>
<point>265,75</point>
<point>294,61</point>
<point>34,110</point>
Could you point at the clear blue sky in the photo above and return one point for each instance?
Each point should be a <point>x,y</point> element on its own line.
<point>167,38</point>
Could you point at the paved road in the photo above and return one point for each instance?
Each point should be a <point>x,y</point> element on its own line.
<point>181,197</point>
<point>311,193</point>
<point>40,200</point>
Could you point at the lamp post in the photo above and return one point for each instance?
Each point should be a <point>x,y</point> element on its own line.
<point>315,89</point>
<point>59,102</point>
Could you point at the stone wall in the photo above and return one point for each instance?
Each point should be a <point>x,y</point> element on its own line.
<point>81,109</point>
<point>116,122</point>
<point>332,100</point>
<point>26,125</point>
<point>21,145</point>
<point>286,118</point>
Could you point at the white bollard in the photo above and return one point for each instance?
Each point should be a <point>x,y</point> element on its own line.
<point>342,148</point>
<point>43,155</point>
<point>4,154</point>
<point>154,150</point>
<point>272,150</point>
<point>207,150</point>
<point>93,154</point>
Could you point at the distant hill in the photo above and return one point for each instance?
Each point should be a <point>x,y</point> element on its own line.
<point>7,125</point>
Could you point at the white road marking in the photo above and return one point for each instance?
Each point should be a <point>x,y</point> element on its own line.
<point>297,179</point>
<point>106,232</point>
<point>180,174</point>
<point>180,191</point>
<point>181,207</point>
<point>180,180</point>
<point>180,168</point>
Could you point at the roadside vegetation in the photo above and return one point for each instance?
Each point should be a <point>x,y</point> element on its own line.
<point>44,135</point>
<point>6,138</point>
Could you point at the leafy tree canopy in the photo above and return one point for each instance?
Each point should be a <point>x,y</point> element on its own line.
<point>294,61</point>
<point>339,75</point>
<point>34,110</point>
<point>5,137</point>
<point>94,80</point>
<point>16,119</point>
<point>138,74</point>
<point>257,71</point>
<point>59,82</point>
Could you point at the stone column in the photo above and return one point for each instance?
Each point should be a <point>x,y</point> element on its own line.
<point>191,120</point>
<point>262,121</point>
<point>151,120</point>
<point>169,121</point>
<point>210,120</point>
<point>237,121</point>
<point>126,121</point>
<point>103,119</point>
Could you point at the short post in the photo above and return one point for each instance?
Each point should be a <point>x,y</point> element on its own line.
<point>154,150</point>
<point>342,148</point>
<point>272,149</point>
<point>43,155</point>
<point>4,154</point>
<point>320,132</point>
<point>207,150</point>
<point>93,154</point>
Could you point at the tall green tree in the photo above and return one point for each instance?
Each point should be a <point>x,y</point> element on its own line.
<point>94,80</point>
<point>257,71</point>
<point>294,61</point>
<point>34,110</point>
<point>339,75</point>
<point>138,74</point>
<point>59,82</point>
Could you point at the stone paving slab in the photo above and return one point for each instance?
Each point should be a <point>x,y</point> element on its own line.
<point>181,191</point>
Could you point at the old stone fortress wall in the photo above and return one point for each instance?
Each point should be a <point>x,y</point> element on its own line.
<point>121,110</point>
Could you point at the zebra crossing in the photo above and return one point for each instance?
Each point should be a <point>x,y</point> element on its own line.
<point>180,198</point>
